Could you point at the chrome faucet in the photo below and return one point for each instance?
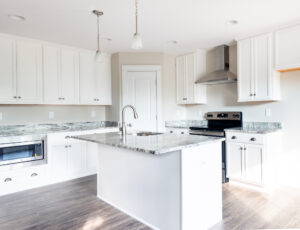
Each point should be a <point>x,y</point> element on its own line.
<point>123,128</point>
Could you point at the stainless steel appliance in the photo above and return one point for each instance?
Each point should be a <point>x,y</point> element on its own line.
<point>217,122</point>
<point>22,151</point>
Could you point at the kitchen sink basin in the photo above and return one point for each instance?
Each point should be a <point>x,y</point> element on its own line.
<point>144,134</point>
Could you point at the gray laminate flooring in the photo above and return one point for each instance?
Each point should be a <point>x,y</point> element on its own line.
<point>68,205</point>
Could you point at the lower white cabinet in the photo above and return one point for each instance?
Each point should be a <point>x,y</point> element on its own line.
<point>252,158</point>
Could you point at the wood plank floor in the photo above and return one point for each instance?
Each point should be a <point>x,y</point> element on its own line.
<point>74,205</point>
<point>248,209</point>
<point>68,205</point>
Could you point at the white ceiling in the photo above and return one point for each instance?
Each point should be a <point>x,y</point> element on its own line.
<point>193,23</point>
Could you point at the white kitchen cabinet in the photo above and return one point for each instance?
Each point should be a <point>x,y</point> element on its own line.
<point>7,71</point>
<point>58,161</point>
<point>252,158</point>
<point>189,68</point>
<point>21,71</point>
<point>76,159</point>
<point>60,75</point>
<point>287,48</point>
<point>29,72</point>
<point>95,79</point>
<point>257,79</point>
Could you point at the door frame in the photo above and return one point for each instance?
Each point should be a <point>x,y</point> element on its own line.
<point>147,68</point>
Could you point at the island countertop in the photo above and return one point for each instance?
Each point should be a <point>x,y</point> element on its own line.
<point>155,144</point>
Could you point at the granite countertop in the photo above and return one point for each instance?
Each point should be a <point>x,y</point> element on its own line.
<point>156,144</point>
<point>21,130</point>
<point>257,127</point>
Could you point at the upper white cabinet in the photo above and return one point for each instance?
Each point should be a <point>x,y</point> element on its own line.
<point>21,71</point>
<point>190,68</point>
<point>7,71</point>
<point>61,78</point>
<point>34,72</point>
<point>287,48</point>
<point>95,79</point>
<point>29,72</point>
<point>257,79</point>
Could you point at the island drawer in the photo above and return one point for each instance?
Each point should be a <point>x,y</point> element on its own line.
<point>245,138</point>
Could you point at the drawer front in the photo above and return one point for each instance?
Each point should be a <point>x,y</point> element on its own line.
<point>247,138</point>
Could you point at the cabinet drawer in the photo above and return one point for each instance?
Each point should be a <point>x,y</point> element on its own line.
<point>245,138</point>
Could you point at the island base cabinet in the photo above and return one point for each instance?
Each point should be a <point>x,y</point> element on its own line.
<point>180,190</point>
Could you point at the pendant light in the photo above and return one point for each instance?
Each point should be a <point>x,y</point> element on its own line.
<point>137,40</point>
<point>98,55</point>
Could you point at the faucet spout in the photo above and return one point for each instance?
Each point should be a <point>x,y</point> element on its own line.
<point>135,115</point>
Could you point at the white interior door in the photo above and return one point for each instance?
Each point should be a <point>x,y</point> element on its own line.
<point>140,90</point>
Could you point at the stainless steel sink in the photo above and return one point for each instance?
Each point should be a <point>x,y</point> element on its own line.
<point>144,134</point>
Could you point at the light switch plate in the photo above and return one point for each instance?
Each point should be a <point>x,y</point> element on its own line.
<point>268,112</point>
<point>93,114</point>
<point>1,117</point>
<point>51,115</point>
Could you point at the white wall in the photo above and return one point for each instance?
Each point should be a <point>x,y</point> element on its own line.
<point>24,114</point>
<point>170,109</point>
<point>286,111</point>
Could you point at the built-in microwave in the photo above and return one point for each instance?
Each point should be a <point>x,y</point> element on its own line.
<point>22,152</point>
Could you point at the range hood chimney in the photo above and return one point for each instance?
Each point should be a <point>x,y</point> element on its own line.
<point>221,75</point>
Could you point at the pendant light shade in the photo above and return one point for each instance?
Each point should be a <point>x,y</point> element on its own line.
<point>98,56</point>
<point>137,40</point>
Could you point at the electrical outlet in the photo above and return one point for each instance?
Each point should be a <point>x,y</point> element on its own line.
<point>51,115</point>
<point>268,112</point>
<point>1,117</point>
<point>93,114</point>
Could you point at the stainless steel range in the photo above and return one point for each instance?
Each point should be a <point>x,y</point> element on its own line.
<point>217,122</point>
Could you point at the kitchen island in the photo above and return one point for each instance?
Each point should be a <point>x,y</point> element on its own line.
<point>167,181</point>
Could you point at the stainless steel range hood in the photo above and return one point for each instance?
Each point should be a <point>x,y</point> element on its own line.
<point>221,75</point>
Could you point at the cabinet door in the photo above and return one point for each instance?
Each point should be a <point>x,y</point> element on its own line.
<point>180,79</point>
<point>190,78</point>
<point>76,159</point>
<point>103,81</point>
<point>51,63</point>
<point>262,66</point>
<point>29,77</point>
<point>68,76</point>
<point>7,71</point>
<point>254,163</point>
<point>245,70</point>
<point>87,78</point>
<point>287,48</point>
<point>234,158</point>
<point>58,162</point>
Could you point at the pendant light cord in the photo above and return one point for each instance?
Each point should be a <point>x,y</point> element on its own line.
<point>136,17</point>
<point>98,34</point>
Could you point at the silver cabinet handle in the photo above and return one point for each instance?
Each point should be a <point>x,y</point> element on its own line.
<point>184,98</point>
<point>15,97</point>
<point>182,132</point>
<point>233,137</point>
<point>254,94</point>
<point>253,139</point>
<point>63,98</point>
<point>171,131</point>
<point>245,149</point>
<point>34,174</point>
<point>66,146</point>
<point>70,146</point>
<point>19,97</point>
<point>241,148</point>
<point>7,179</point>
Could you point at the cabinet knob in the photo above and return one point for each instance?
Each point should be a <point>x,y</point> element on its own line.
<point>233,137</point>
<point>254,94</point>
<point>7,179</point>
<point>15,97</point>
<point>182,132</point>
<point>253,139</point>
<point>19,97</point>
<point>70,146</point>
<point>241,148</point>
<point>245,149</point>
<point>66,146</point>
<point>34,174</point>
<point>171,131</point>
<point>184,99</point>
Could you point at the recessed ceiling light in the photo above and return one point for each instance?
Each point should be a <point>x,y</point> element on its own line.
<point>174,42</point>
<point>16,17</point>
<point>232,22</point>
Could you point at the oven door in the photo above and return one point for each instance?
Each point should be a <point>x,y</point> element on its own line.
<point>21,152</point>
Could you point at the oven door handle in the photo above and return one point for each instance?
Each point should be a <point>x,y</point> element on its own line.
<point>16,144</point>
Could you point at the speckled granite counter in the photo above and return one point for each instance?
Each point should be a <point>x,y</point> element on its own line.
<point>156,144</point>
<point>257,127</point>
<point>20,130</point>
<point>184,124</point>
